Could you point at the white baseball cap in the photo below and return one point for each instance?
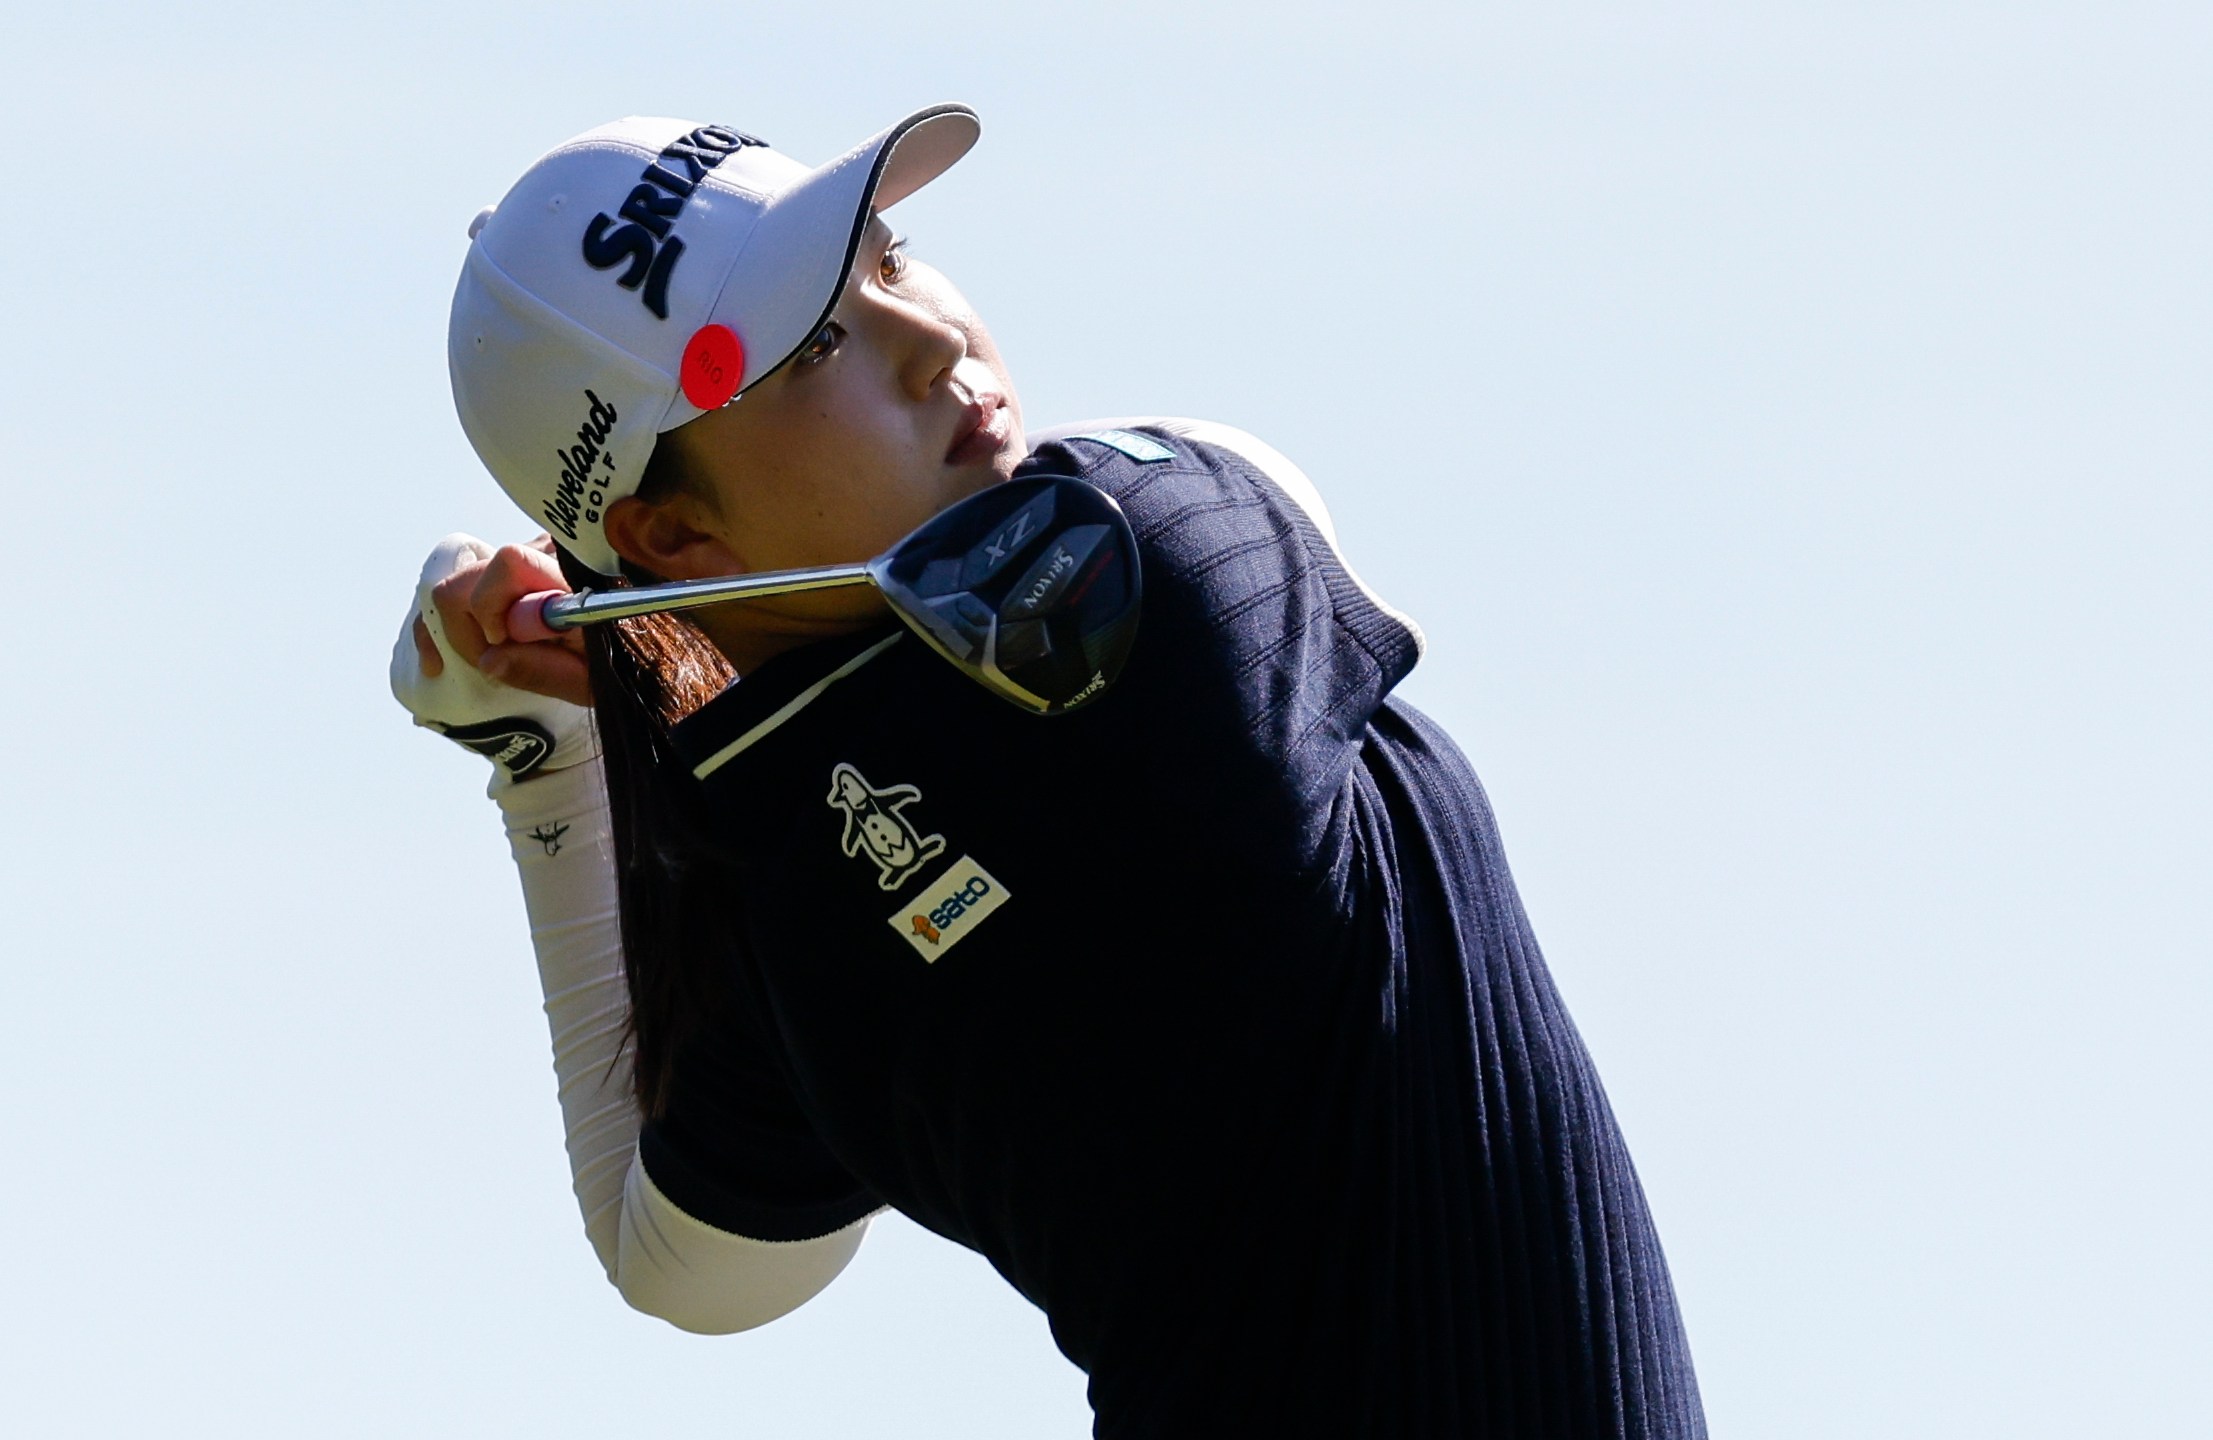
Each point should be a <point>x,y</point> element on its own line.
<point>643,274</point>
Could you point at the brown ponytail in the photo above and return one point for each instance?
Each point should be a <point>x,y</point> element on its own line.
<point>648,673</point>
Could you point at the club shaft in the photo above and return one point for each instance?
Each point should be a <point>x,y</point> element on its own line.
<point>591,607</point>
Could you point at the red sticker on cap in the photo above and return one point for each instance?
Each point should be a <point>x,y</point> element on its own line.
<point>714,362</point>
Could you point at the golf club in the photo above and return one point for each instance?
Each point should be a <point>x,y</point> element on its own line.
<point>1031,587</point>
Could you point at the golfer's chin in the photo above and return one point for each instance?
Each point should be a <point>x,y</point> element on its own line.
<point>748,632</point>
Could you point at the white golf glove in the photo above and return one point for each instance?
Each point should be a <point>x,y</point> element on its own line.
<point>520,732</point>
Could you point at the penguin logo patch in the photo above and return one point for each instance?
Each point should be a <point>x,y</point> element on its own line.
<point>875,828</point>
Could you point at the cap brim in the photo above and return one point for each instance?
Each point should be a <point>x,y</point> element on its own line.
<point>798,235</point>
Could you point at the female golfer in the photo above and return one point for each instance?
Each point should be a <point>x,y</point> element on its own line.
<point>1206,1012</point>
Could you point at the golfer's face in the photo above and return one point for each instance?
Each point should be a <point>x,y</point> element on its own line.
<point>894,409</point>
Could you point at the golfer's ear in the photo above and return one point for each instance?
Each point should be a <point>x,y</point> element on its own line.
<point>675,538</point>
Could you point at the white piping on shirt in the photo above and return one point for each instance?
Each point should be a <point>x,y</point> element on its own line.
<point>790,708</point>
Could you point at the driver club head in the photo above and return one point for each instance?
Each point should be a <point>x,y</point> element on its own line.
<point>1031,587</point>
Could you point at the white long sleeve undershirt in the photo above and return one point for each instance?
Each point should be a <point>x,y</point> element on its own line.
<point>665,1262</point>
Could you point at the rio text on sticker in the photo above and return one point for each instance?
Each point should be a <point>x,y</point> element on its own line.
<point>948,908</point>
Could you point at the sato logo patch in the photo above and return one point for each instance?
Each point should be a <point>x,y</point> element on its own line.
<point>948,908</point>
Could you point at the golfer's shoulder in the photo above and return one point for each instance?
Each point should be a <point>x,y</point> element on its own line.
<point>1194,490</point>
<point>1166,464</point>
<point>1235,524</point>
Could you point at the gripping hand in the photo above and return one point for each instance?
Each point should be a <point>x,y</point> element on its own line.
<point>519,731</point>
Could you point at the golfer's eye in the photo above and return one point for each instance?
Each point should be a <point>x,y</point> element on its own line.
<point>823,345</point>
<point>893,267</point>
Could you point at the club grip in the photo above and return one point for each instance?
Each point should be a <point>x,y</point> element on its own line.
<point>526,618</point>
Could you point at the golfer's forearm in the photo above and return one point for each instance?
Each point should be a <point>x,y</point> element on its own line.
<point>557,828</point>
<point>710,1281</point>
<point>665,1262</point>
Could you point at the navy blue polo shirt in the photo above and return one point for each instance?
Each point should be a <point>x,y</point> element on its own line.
<point>1207,1013</point>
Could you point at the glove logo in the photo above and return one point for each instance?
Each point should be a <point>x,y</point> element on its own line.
<point>517,745</point>
<point>874,826</point>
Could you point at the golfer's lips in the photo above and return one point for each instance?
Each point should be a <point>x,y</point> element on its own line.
<point>982,430</point>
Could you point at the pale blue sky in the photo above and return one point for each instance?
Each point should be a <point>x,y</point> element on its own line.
<point>1788,421</point>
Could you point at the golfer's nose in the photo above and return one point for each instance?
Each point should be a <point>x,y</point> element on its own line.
<point>929,346</point>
